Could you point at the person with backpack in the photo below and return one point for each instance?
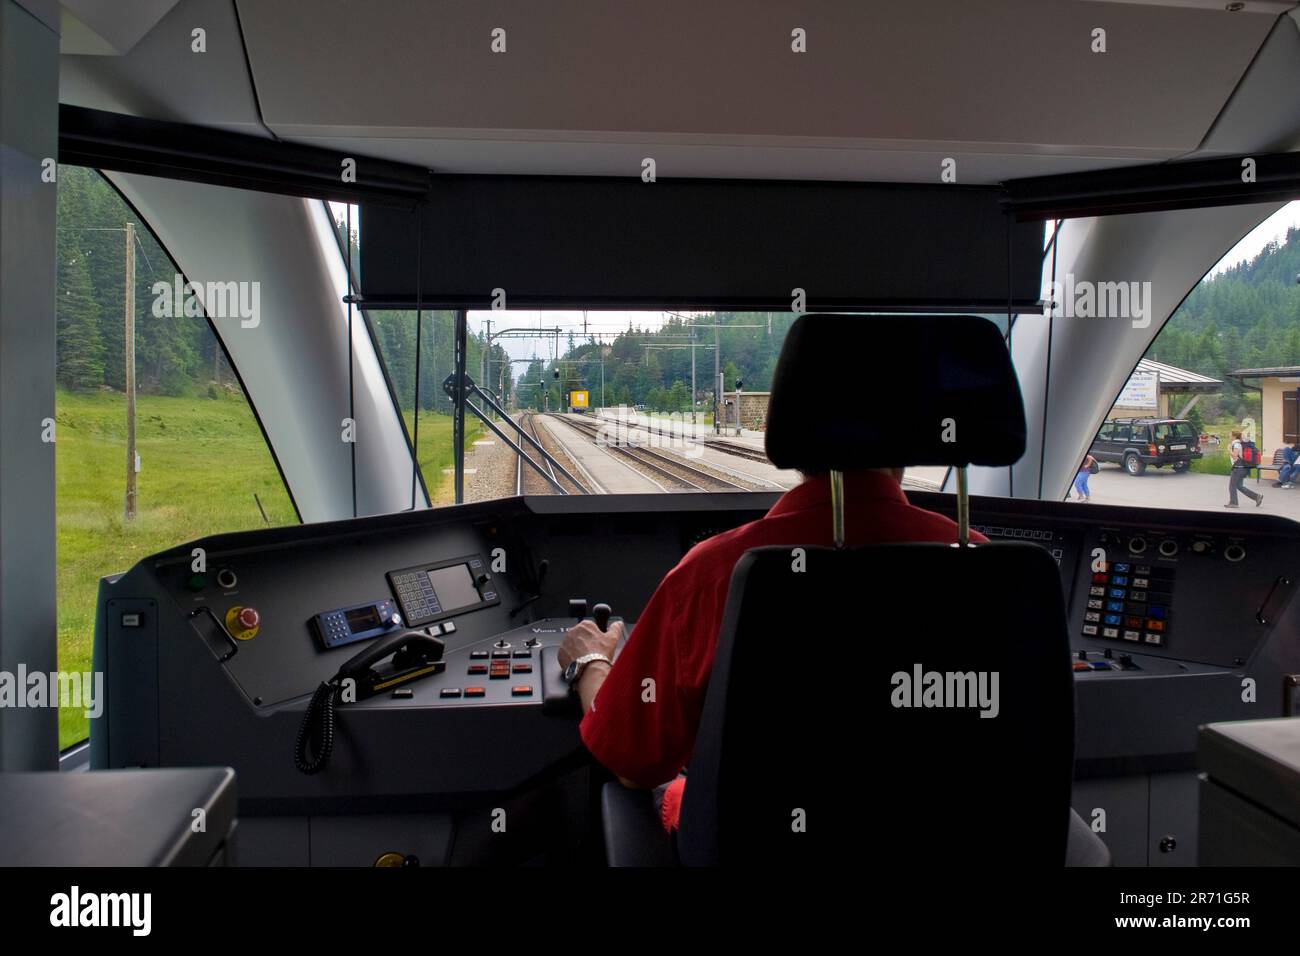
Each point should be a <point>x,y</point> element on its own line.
<point>1088,467</point>
<point>1245,456</point>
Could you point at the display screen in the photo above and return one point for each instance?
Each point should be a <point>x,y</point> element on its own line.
<point>363,619</point>
<point>454,587</point>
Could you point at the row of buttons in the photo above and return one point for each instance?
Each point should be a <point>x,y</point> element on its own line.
<point>500,669</point>
<point>483,655</point>
<point>1129,634</point>
<point>1132,620</point>
<point>992,531</point>
<point>519,690</point>
<point>437,630</point>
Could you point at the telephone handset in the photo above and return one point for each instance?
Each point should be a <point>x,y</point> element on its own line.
<point>414,655</point>
<point>410,651</point>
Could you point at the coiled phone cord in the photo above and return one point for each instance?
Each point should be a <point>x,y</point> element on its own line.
<point>317,730</point>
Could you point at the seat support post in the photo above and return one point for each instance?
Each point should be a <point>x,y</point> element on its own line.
<point>963,508</point>
<point>837,507</point>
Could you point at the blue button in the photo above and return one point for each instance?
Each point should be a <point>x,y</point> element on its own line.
<point>1114,605</point>
<point>1117,592</point>
<point>1122,568</point>
<point>1112,618</point>
<point>1119,579</point>
<point>1156,611</point>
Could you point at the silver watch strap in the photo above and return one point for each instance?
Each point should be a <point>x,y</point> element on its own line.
<point>580,664</point>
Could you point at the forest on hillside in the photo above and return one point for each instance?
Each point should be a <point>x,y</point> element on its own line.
<point>1247,316</point>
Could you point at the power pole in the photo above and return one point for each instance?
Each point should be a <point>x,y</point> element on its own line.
<point>717,375</point>
<point>483,360</point>
<point>130,371</point>
<point>692,383</point>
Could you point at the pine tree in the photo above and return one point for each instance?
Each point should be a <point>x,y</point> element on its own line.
<point>80,348</point>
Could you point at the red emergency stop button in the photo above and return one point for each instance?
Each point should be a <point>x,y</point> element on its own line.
<point>243,622</point>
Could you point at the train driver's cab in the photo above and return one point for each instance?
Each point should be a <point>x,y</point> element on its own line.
<point>428,448</point>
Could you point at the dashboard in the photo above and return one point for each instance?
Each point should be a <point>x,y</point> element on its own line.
<point>212,650</point>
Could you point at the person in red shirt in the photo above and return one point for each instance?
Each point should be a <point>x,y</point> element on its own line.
<point>641,714</point>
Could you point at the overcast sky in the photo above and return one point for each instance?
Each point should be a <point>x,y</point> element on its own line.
<point>1274,227</point>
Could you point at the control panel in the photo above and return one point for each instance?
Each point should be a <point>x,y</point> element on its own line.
<point>430,592</point>
<point>1129,602</point>
<point>347,625</point>
<point>1177,593</point>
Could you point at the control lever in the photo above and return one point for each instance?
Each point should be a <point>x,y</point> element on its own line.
<point>557,696</point>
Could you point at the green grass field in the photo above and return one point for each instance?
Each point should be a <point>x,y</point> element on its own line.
<point>435,451</point>
<point>201,461</point>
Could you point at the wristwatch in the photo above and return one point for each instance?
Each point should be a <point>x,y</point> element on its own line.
<point>578,665</point>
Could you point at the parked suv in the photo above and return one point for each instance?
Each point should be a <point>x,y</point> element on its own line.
<point>1135,443</point>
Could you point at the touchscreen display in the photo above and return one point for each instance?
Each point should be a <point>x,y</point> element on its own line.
<point>454,587</point>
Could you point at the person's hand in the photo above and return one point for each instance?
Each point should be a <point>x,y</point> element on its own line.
<point>586,638</point>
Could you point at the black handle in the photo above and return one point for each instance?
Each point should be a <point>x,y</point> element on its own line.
<point>386,646</point>
<point>601,613</point>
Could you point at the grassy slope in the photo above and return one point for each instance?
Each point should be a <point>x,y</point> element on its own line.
<point>201,461</point>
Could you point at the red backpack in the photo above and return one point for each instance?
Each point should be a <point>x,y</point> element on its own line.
<point>1249,453</point>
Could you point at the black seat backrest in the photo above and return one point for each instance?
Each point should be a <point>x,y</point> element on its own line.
<point>803,748</point>
<point>800,713</point>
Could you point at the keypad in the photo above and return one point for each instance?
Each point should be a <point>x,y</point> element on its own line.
<point>1130,603</point>
<point>415,593</point>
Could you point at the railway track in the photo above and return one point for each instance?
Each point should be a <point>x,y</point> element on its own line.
<point>731,448</point>
<point>527,481</point>
<point>671,469</point>
<point>718,444</point>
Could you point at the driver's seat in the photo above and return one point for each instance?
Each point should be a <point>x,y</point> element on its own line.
<point>844,710</point>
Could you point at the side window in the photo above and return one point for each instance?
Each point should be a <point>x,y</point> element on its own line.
<point>1227,360</point>
<point>1106,432</point>
<point>1120,433</point>
<point>149,452</point>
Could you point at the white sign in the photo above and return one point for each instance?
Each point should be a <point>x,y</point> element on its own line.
<point>1141,391</point>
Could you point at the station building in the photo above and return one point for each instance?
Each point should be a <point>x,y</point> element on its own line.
<point>1278,388</point>
<point>1157,390</point>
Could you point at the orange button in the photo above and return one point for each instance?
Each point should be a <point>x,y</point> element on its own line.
<point>522,690</point>
<point>1154,625</point>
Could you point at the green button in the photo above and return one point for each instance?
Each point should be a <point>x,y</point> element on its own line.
<point>198,582</point>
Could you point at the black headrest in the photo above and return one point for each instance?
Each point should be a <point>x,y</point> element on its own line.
<point>881,391</point>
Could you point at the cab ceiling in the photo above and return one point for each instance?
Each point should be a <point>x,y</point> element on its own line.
<point>885,91</point>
